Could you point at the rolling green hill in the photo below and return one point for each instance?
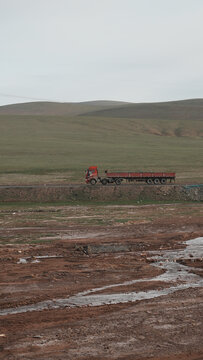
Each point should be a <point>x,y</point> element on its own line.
<point>172,110</point>
<point>56,108</point>
<point>44,148</point>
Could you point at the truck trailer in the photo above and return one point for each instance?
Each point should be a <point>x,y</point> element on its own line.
<point>92,177</point>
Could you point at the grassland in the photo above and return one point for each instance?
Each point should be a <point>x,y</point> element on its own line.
<point>58,109</point>
<point>172,110</point>
<point>45,148</point>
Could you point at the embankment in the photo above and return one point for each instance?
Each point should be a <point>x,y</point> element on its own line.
<point>74,193</point>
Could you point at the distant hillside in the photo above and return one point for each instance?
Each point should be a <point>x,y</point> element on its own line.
<point>58,109</point>
<point>176,118</point>
<point>145,137</point>
<point>173,110</point>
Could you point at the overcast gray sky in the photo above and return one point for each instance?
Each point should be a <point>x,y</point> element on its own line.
<point>79,50</point>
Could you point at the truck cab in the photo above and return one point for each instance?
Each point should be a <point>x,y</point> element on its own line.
<point>91,175</point>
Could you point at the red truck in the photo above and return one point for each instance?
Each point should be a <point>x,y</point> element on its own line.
<point>92,177</point>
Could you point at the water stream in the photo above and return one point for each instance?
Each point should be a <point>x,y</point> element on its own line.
<point>176,273</point>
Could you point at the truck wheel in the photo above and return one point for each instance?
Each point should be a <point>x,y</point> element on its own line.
<point>149,181</point>
<point>163,181</point>
<point>156,181</point>
<point>93,181</point>
<point>118,181</point>
<point>104,181</point>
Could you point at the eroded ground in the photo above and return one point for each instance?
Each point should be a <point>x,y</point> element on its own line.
<point>101,282</point>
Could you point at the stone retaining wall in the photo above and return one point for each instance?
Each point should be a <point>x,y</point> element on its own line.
<point>101,193</point>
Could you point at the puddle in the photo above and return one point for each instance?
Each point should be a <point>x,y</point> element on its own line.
<point>22,261</point>
<point>84,235</point>
<point>167,260</point>
<point>48,257</point>
<point>36,259</point>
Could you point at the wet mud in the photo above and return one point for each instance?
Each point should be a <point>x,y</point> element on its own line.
<point>167,260</point>
<point>130,290</point>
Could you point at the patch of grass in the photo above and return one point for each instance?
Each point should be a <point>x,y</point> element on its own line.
<point>38,241</point>
<point>123,220</point>
<point>28,226</point>
<point>12,206</point>
<point>27,241</point>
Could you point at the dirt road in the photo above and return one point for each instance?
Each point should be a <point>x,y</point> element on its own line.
<point>106,282</point>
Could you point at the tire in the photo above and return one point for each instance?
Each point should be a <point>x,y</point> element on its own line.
<point>104,181</point>
<point>163,181</point>
<point>118,181</point>
<point>156,181</point>
<point>149,181</point>
<point>93,181</point>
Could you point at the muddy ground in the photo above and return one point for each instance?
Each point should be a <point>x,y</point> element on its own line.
<point>101,282</point>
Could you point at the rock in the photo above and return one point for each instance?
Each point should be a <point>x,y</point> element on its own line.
<point>141,337</point>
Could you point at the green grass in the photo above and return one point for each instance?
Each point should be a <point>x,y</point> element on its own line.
<point>41,145</point>
<point>56,108</point>
<point>191,110</point>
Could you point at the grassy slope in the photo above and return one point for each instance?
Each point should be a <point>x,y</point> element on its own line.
<point>172,110</point>
<point>43,144</point>
<point>57,109</point>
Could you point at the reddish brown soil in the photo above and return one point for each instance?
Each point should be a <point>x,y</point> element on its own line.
<point>164,328</point>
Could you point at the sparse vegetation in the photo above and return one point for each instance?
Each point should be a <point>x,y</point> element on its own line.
<point>39,224</point>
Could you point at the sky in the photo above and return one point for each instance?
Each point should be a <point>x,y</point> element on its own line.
<point>83,50</point>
